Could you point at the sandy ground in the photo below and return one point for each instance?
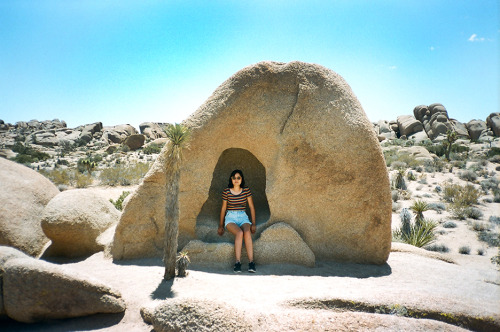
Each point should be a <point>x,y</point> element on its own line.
<point>329,297</point>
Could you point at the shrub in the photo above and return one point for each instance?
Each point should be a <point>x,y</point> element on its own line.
<point>489,184</point>
<point>480,251</point>
<point>438,207</point>
<point>463,195</point>
<point>26,154</point>
<point>395,206</point>
<point>58,177</point>
<point>468,175</point>
<point>417,234</point>
<point>394,195</point>
<point>491,238</point>
<point>464,250</point>
<point>122,175</point>
<point>450,224</point>
<point>479,226</point>
<point>83,180</point>
<point>474,213</point>
<point>494,220</point>
<point>152,148</point>
<point>119,202</point>
<point>437,248</point>
<point>399,180</point>
<point>410,176</point>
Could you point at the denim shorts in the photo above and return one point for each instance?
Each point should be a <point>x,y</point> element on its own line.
<point>238,217</point>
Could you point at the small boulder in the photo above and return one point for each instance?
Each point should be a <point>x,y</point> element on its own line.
<point>134,141</point>
<point>197,315</point>
<point>203,252</point>
<point>35,290</point>
<point>24,195</point>
<point>74,220</point>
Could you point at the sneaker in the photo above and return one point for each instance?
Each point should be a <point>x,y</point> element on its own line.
<point>237,267</point>
<point>251,267</point>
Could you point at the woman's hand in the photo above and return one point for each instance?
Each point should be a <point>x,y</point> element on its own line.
<point>220,231</point>
<point>253,228</point>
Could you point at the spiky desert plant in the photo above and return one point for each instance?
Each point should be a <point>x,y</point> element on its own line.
<point>418,235</point>
<point>405,217</point>
<point>178,136</point>
<point>451,137</point>
<point>182,263</point>
<point>419,207</point>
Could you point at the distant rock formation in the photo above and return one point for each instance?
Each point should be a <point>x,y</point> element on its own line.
<point>34,290</point>
<point>292,128</point>
<point>23,195</point>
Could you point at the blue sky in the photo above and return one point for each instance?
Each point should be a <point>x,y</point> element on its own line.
<point>136,61</point>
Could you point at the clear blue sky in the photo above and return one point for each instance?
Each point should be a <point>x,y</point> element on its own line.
<point>135,61</point>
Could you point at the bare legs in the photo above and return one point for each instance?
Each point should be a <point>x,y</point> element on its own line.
<point>241,234</point>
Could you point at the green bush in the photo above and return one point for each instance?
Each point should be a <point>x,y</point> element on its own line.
<point>152,148</point>
<point>83,180</point>
<point>462,195</point>
<point>491,238</point>
<point>418,234</point>
<point>119,202</point>
<point>27,155</point>
<point>468,175</point>
<point>464,250</point>
<point>437,248</point>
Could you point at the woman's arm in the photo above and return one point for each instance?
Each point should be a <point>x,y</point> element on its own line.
<point>252,213</point>
<point>220,230</point>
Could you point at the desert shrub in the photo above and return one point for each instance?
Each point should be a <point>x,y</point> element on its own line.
<point>480,251</point>
<point>417,234</point>
<point>26,154</point>
<point>464,250</point>
<point>450,224</point>
<point>411,176</point>
<point>438,207</point>
<point>468,175</point>
<point>493,151</point>
<point>57,176</point>
<point>494,220</point>
<point>402,159</point>
<point>474,213</point>
<point>399,179</point>
<point>489,184</point>
<point>152,148</point>
<point>438,189</point>
<point>464,195</point>
<point>437,248</point>
<point>125,148</point>
<point>496,259</point>
<point>123,175</point>
<point>119,201</point>
<point>491,238</point>
<point>479,226</point>
<point>488,200</point>
<point>83,180</point>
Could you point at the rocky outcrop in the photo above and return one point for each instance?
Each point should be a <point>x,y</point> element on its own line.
<point>75,220</point>
<point>292,128</point>
<point>434,119</point>
<point>35,290</point>
<point>493,123</point>
<point>153,130</point>
<point>24,194</point>
<point>460,129</point>
<point>279,243</point>
<point>195,315</point>
<point>117,134</point>
<point>135,141</point>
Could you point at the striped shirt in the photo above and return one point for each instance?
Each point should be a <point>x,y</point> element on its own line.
<point>236,202</point>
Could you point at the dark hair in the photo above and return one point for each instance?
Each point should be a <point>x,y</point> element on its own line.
<point>233,173</point>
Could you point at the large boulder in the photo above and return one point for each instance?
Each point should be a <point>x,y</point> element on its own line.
<point>493,122</point>
<point>75,220</point>
<point>460,129</point>
<point>279,243</point>
<point>476,128</point>
<point>309,154</point>
<point>23,197</point>
<point>135,141</point>
<point>408,125</point>
<point>35,290</point>
<point>152,130</point>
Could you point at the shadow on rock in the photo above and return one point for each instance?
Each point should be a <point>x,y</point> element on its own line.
<point>92,322</point>
<point>164,290</point>
<point>322,268</point>
<point>152,261</point>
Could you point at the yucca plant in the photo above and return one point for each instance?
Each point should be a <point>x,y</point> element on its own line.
<point>405,217</point>
<point>400,182</point>
<point>178,136</point>
<point>418,235</point>
<point>182,263</point>
<point>419,207</point>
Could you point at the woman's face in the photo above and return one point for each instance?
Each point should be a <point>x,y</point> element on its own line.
<point>236,178</point>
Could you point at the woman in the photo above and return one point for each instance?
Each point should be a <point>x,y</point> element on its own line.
<point>234,200</point>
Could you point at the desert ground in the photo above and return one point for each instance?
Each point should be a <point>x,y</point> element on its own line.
<point>416,290</point>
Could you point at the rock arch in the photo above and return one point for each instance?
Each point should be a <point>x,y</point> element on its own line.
<point>255,178</point>
<point>325,172</point>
